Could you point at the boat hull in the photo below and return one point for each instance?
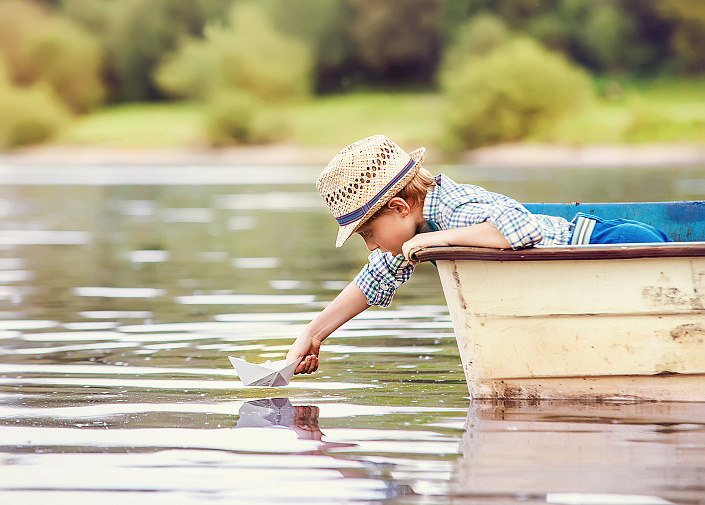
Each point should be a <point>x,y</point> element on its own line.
<point>615,325</point>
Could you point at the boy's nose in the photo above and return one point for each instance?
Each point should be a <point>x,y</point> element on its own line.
<point>371,245</point>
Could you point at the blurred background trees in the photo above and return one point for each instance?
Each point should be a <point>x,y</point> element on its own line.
<point>509,65</point>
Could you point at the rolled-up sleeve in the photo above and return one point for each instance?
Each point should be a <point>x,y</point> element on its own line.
<point>381,277</point>
<point>518,225</point>
<point>466,205</point>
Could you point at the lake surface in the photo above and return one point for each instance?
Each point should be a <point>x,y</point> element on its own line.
<point>123,290</point>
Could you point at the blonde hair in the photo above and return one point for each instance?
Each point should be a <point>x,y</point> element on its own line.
<point>414,192</point>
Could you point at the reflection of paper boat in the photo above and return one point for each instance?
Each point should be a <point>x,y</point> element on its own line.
<point>270,373</point>
<point>266,413</point>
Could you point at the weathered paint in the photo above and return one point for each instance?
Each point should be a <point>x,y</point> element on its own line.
<point>626,328</point>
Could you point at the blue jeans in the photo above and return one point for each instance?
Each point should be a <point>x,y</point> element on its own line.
<point>594,230</point>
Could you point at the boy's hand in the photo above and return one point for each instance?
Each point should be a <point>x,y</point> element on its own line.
<point>420,241</point>
<point>483,234</point>
<point>307,347</point>
<point>349,303</point>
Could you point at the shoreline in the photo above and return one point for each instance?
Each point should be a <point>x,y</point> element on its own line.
<point>515,155</point>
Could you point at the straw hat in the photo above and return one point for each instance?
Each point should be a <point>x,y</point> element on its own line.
<point>362,178</point>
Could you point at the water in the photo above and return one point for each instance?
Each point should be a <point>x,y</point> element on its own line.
<point>124,289</point>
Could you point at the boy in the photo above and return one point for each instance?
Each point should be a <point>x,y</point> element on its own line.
<point>375,189</point>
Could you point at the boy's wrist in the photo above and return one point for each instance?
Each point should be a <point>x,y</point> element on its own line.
<point>312,335</point>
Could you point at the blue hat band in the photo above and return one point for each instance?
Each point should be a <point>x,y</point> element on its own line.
<point>359,213</point>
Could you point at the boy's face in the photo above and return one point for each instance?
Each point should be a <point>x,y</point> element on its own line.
<point>391,228</point>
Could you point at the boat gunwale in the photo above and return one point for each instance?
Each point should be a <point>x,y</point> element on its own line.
<point>563,253</point>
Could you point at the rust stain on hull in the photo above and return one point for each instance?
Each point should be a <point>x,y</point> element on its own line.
<point>694,333</point>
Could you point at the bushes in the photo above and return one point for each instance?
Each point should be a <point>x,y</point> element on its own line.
<point>142,33</point>
<point>478,37</point>
<point>29,115</point>
<point>247,54</point>
<point>69,61</point>
<point>234,69</point>
<point>41,47</point>
<point>507,93</point>
<point>237,117</point>
<point>49,68</point>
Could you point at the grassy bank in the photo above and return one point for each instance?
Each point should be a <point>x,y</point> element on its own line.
<point>631,112</point>
<point>636,112</point>
<point>326,121</point>
<point>139,126</point>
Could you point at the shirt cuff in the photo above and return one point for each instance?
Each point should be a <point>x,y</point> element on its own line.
<point>381,277</point>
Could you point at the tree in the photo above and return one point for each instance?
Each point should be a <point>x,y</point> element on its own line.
<point>324,26</point>
<point>138,34</point>
<point>39,46</point>
<point>507,93</point>
<point>399,40</point>
<point>688,37</point>
<point>246,54</point>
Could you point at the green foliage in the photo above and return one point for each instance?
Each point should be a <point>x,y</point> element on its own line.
<point>358,43</point>
<point>29,115</point>
<point>409,118</point>
<point>688,39</point>
<point>40,47</point>
<point>607,36</point>
<point>663,110</point>
<point>142,33</point>
<point>599,35</point>
<point>236,117</point>
<point>136,35</point>
<point>648,122</point>
<point>505,95</point>
<point>247,54</point>
<point>477,37</point>
<point>400,40</point>
<point>69,60</point>
<point>324,26</point>
<point>230,117</point>
<point>412,118</point>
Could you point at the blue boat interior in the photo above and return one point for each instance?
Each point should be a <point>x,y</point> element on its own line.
<point>682,221</point>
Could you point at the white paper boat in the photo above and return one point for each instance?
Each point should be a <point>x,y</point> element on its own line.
<point>270,373</point>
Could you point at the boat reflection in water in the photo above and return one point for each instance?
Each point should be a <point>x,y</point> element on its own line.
<point>571,452</point>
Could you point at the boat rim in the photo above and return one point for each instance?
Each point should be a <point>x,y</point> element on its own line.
<point>558,253</point>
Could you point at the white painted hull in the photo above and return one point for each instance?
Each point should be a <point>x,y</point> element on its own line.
<point>589,329</point>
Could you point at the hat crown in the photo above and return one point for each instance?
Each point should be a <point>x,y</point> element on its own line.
<point>362,178</point>
<point>358,172</point>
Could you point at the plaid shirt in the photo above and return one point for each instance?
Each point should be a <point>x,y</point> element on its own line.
<point>453,205</point>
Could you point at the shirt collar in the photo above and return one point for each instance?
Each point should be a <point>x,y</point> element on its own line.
<point>430,203</point>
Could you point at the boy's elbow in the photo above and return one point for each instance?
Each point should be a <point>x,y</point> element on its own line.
<point>529,240</point>
<point>536,237</point>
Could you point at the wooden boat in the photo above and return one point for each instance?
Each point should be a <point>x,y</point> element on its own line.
<point>586,322</point>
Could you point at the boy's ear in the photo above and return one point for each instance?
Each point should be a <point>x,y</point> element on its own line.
<point>398,204</point>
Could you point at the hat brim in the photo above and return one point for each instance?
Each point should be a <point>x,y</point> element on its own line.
<point>344,232</point>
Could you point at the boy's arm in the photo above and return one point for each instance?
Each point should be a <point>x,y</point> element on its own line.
<point>350,302</point>
<point>477,235</point>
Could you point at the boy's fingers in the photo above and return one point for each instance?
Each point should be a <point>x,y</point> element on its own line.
<point>301,368</point>
<point>308,365</point>
<point>311,364</point>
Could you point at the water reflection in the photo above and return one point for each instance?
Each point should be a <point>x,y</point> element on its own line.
<point>279,412</point>
<point>124,289</point>
<point>585,452</point>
